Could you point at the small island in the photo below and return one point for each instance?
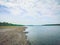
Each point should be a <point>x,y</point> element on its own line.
<point>51,25</point>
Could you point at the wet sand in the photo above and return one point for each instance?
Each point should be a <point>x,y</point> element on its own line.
<point>13,35</point>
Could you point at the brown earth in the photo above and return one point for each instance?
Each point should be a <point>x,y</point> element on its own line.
<point>13,35</point>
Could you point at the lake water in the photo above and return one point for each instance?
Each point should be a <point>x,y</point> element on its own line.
<point>44,35</point>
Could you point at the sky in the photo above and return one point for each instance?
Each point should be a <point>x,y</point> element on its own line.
<point>30,12</point>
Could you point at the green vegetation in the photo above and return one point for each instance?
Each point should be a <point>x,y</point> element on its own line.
<point>8,24</point>
<point>51,25</point>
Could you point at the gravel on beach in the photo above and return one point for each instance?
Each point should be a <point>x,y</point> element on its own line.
<point>13,36</point>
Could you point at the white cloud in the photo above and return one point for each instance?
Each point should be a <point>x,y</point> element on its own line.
<point>39,10</point>
<point>31,6</point>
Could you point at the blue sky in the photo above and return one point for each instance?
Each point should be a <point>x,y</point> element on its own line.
<point>28,12</point>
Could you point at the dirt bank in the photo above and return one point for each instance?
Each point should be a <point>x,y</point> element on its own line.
<point>13,35</point>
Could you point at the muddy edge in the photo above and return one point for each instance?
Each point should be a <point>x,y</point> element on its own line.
<point>13,35</point>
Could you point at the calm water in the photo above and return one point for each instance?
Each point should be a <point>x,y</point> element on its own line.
<point>44,35</point>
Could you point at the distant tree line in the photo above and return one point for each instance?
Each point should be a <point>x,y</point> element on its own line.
<point>51,25</point>
<point>9,24</point>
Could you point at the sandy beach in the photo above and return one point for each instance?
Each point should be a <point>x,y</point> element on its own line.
<point>13,35</point>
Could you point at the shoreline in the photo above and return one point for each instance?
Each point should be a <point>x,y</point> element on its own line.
<point>13,35</point>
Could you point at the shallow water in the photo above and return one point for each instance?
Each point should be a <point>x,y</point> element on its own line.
<point>44,35</point>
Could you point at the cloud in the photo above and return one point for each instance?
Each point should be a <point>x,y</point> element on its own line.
<point>30,10</point>
<point>58,2</point>
<point>30,6</point>
<point>4,9</point>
